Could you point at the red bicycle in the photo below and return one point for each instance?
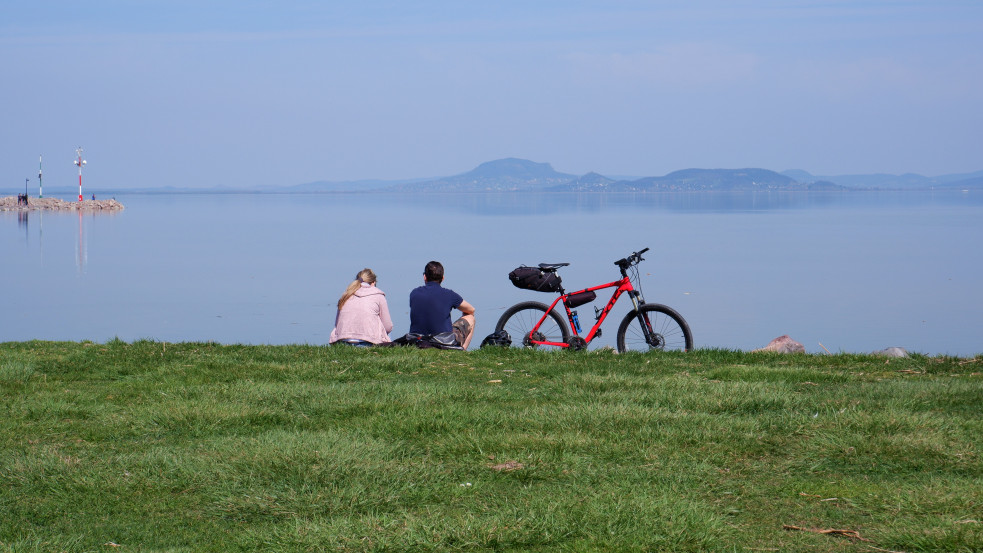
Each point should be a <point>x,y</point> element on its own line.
<point>649,326</point>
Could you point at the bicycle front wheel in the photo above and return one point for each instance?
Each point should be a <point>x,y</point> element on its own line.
<point>520,319</point>
<point>667,330</point>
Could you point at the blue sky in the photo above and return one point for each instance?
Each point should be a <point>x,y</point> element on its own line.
<point>247,93</point>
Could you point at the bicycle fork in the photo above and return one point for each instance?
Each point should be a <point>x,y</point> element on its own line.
<point>651,336</point>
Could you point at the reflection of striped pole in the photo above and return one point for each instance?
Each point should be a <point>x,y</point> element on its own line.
<point>81,252</point>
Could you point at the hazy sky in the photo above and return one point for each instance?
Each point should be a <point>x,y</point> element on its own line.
<point>246,93</point>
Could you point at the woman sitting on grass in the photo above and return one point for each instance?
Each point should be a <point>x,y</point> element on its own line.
<point>363,314</point>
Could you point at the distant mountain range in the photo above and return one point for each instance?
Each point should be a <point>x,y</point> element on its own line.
<point>520,175</point>
<point>503,175</point>
<point>883,181</point>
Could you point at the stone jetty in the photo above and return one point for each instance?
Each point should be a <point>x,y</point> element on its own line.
<point>13,203</point>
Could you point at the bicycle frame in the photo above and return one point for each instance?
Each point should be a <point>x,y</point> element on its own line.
<point>623,285</point>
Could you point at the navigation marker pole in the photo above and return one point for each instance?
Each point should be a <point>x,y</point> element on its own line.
<point>40,185</point>
<point>80,162</point>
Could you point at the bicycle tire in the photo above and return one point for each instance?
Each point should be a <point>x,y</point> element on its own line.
<point>671,333</point>
<point>520,319</point>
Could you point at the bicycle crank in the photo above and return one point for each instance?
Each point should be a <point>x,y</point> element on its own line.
<point>576,343</point>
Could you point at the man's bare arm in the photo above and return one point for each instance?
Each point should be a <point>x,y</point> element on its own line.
<point>466,308</point>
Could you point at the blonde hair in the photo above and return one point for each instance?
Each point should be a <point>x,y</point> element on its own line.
<point>365,275</point>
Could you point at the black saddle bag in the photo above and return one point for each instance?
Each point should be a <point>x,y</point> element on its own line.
<point>535,279</point>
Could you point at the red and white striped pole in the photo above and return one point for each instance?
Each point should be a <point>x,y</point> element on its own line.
<point>80,162</point>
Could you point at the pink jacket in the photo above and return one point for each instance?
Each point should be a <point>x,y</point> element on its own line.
<point>365,316</point>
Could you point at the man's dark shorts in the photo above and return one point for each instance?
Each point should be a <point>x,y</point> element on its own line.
<point>462,329</point>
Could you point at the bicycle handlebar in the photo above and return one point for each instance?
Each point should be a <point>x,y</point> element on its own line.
<point>634,258</point>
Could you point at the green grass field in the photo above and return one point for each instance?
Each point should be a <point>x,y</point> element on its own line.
<point>150,446</point>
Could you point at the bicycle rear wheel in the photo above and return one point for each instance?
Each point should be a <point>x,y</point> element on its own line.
<point>520,319</point>
<point>669,331</point>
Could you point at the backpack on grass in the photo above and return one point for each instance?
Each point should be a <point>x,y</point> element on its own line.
<point>498,338</point>
<point>441,340</point>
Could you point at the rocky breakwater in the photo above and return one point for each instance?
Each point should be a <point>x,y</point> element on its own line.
<point>12,203</point>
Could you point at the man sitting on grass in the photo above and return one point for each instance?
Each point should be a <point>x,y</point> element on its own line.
<point>431,304</point>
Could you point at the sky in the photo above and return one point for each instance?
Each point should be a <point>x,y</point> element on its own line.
<point>243,93</point>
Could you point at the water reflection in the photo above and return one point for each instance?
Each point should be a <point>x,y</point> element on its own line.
<point>81,253</point>
<point>22,221</point>
<point>493,204</point>
<point>78,225</point>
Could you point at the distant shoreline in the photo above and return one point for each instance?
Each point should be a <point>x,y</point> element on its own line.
<point>514,175</point>
<point>651,193</point>
<point>12,203</point>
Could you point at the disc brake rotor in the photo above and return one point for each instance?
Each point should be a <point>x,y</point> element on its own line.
<point>657,341</point>
<point>527,340</point>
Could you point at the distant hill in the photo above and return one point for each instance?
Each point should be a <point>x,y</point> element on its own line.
<point>512,174</point>
<point>591,182</point>
<point>695,180</point>
<point>884,181</point>
<point>957,178</point>
<point>517,175</point>
<point>712,180</point>
<point>974,183</point>
<point>503,175</point>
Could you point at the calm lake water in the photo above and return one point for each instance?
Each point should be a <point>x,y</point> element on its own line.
<point>854,272</point>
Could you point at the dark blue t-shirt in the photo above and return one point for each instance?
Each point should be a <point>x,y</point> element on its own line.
<point>430,308</point>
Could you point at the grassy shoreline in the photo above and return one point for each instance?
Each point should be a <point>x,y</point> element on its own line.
<point>148,446</point>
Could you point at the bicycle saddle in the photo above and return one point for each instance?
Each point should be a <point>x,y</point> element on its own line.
<point>552,266</point>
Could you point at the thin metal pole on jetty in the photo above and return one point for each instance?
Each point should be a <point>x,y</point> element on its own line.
<point>80,162</point>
